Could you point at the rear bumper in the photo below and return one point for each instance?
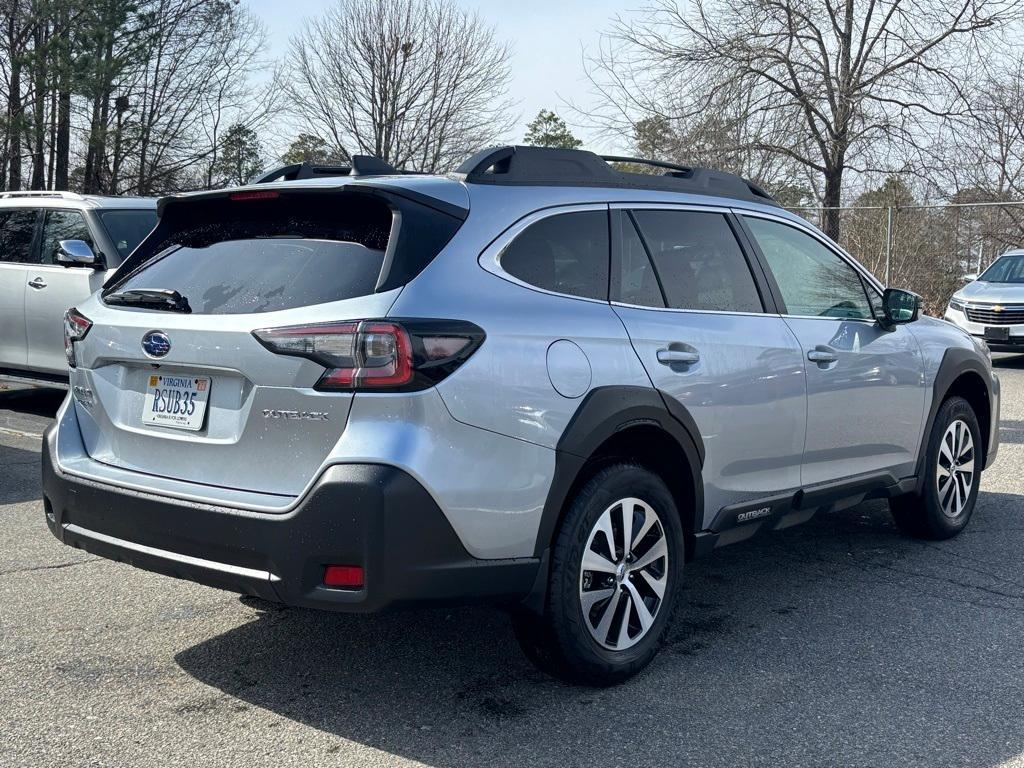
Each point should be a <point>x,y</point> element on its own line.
<point>374,516</point>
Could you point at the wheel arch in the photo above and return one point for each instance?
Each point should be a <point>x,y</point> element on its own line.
<point>627,423</point>
<point>960,374</point>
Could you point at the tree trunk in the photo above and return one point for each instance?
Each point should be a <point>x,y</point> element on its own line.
<point>39,108</point>
<point>62,148</point>
<point>832,200</point>
<point>14,105</point>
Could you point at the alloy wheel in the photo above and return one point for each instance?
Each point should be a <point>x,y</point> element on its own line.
<point>624,573</point>
<point>954,475</point>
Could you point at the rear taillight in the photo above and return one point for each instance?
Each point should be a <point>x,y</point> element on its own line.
<point>402,355</point>
<point>76,325</point>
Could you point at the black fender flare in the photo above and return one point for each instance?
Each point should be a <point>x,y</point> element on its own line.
<point>955,362</point>
<point>602,413</point>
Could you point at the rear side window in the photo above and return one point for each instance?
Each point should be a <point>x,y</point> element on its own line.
<point>566,253</point>
<point>698,260</point>
<point>268,255</point>
<point>17,230</point>
<point>633,278</point>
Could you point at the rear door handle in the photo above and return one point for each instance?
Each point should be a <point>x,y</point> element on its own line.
<point>677,357</point>
<point>822,355</point>
<point>37,283</point>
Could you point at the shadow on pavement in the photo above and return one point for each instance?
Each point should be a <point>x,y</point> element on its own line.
<point>837,642</point>
<point>1008,361</point>
<point>33,401</point>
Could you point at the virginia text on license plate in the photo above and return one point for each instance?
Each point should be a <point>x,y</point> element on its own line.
<point>176,401</point>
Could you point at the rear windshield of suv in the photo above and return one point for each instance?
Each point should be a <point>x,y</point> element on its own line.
<point>268,255</point>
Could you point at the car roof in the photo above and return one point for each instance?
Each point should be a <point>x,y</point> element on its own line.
<point>43,199</point>
<point>514,201</point>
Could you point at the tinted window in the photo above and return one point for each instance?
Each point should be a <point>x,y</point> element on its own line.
<point>814,281</point>
<point>699,262</point>
<point>127,228</point>
<point>633,278</point>
<point>566,253</point>
<point>17,229</point>
<point>261,256</point>
<point>62,225</point>
<point>1008,269</point>
<point>240,276</point>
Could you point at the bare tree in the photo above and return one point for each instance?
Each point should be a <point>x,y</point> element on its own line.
<point>418,83</point>
<point>850,73</point>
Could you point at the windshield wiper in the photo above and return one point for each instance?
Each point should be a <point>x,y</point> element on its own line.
<point>151,298</point>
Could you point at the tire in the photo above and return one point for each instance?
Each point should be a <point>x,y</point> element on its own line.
<point>946,502</point>
<point>592,646</point>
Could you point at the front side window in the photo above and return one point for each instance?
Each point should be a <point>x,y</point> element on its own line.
<point>17,229</point>
<point>565,253</point>
<point>813,280</point>
<point>1007,269</point>
<point>62,225</point>
<point>698,260</point>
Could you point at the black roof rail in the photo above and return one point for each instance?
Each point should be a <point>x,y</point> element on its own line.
<point>543,166</point>
<point>361,165</point>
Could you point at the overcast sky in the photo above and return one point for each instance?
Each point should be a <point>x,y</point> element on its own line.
<point>546,36</point>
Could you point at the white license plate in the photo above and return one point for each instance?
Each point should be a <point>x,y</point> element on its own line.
<point>176,401</point>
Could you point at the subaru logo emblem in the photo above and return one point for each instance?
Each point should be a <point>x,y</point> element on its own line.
<point>156,344</point>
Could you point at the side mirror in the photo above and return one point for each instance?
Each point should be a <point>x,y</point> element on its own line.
<point>77,253</point>
<point>899,306</point>
<point>970,278</point>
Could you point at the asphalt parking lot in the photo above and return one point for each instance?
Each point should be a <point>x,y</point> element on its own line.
<point>835,643</point>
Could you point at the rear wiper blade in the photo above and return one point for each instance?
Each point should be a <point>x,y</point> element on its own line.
<point>153,298</point>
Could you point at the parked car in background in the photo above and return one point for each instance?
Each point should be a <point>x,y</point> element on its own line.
<point>991,307</point>
<point>539,382</point>
<point>56,248</point>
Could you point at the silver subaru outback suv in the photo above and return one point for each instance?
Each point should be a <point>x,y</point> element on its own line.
<point>540,381</point>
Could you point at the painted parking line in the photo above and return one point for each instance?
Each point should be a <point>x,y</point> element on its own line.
<point>19,433</point>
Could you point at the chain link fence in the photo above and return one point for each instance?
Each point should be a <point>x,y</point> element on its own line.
<point>929,249</point>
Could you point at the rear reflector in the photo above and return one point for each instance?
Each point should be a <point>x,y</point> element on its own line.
<point>348,576</point>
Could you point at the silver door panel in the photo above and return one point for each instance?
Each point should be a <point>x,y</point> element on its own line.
<point>746,394</point>
<point>61,288</point>
<point>13,350</point>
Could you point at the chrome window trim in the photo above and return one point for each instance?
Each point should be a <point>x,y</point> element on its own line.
<point>693,311</point>
<point>641,206</point>
<point>490,258</point>
<point>62,268</point>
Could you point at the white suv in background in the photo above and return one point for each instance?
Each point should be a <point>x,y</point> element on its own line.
<point>56,248</point>
<point>992,306</point>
